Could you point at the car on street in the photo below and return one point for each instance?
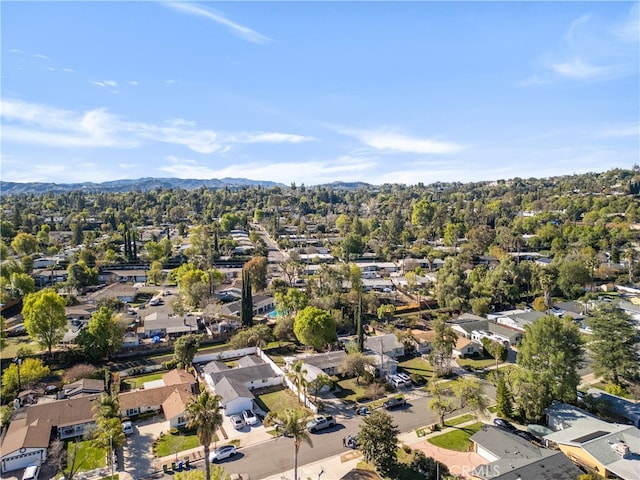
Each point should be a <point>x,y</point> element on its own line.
<point>221,453</point>
<point>236,421</point>
<point>320,423</point>
<point>394,402</point>
<point>127,428</point>
<point>249,417</point>
<point>502,423</point>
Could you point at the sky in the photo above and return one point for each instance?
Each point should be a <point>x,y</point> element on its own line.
<point>317,92</point>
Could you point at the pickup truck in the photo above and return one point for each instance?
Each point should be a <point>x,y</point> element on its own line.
<point>394,402</point>
<point>321,422</point>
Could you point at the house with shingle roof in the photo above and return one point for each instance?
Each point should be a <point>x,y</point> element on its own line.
<point>27,438</point>
<point>511,457</point>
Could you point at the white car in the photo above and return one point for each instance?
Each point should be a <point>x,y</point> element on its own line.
<point>221,453</point>
<point>249,417</point>
<point>127,428</point>
<point>236,421</point>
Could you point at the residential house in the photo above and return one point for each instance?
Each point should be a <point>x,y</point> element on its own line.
<point>168,395</point>
<point>612,450</point>
<point>123,292</point>
<point>251,373</point>
<point>465,347</point>
<point>467,326</point>
<point>162,324</point>
<point>423,341</point>
<point>261,304</point>
<point>511,457</point>
<point>84,386</point>
<point>27,437</point>
<point>327,363</point>
<point>516,319</point>
<point>387,344</point>
<point>625,409</point>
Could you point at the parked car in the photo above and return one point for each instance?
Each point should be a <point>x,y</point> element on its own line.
<point>127,428</point>
<point>394,402</point>
<point>526,435</point>
<point>31,472</point>
<point>502,423</point>
<point>236,421</point>
<point>320,423</point>
<point>249,417</point>
<point>221,453</point>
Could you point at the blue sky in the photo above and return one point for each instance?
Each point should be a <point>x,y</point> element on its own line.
<point>314,92</point>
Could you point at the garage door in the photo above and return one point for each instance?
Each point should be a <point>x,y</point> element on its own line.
<point>22,460</point>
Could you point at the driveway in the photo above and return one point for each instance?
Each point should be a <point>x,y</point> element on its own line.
<point>138,454</point>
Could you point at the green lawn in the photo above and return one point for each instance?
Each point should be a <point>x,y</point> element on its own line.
<point>417,366</point>
<point>137,382</point>
<point>348,390</point>
<point>479,362</point>
<point>169,444</point>
<point>87,456</point>
<point>278,401</point>
<point>13,344</point>
<point>458,420</point>
<point>457,439</point>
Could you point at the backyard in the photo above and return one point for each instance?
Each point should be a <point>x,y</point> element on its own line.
<point>278,400</point>
<point>417,366</point>
<point>87,457</point>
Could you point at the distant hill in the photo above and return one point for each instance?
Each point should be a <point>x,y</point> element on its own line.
<point>128,185</point>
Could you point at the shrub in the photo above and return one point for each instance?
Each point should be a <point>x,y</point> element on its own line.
<point>78,372</point>
<point>169,364</point>
<point>614,389</point>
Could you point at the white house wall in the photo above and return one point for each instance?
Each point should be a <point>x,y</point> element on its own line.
<point>17,460</point>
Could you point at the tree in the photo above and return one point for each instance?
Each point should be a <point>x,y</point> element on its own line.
<point>104,334</point>
<point>355,364</point>
<point>203,414</point>
<point>315,327</point>
<point>185,349</point>
<point>296,375</point>
<point>422,213</point>
<point>22,284</point>
<point>451,288</point>
<point>504,399</point>
<point>572,277</point>
<point>24,243</point>
<point>470,394</point>
<point>428,466</point>
<point>444,340</point>
<point>295,427</point>
<point>258,335</point>
<point>31,370</point>
<point>614,344</point>
<point>246,301</point>
<point>378,441</point>
<point>193,284</point>
<point>69,461</point>
<point>257,270</point>
<point>291,302</point>
<point>496,349</point>
<point>551,353</point>
<point>44,317</point>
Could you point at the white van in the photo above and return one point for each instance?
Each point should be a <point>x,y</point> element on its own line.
<point>154,301</point>
<point>31,472</point>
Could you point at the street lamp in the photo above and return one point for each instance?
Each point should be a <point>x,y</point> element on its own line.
<point>18,362</point>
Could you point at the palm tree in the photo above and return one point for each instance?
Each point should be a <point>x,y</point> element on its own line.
<point>297,374</point>
<point>295,426</point>
<point>203,414</point>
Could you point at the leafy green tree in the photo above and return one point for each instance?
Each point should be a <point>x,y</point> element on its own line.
<point>315,327</point>
<point>44,317</point>
<point>203,414</point>
<point>428,466</point>
<point>613,344</point>
<point>154,274</point>
<point>193,284</point>
<point>451,287</point>
<point>470,394</point>
<point>185,349</point>
<point>24,243</point>
<point>355,365</point>
<point>291,302</point>
<point>229,221</point>
<point>31,371</point>
<point>104,334</point>
<point>258,335</point>
<point>22,284</point>
<point>551,353</point>
<point>422,213</point>
<point>295,427</point>
<point>378,441</point>
<point>444,340</point>
<point>496,349</point>
<point>572,277</point>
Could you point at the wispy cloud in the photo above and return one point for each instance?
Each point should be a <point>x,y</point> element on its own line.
<point>593,49</point>
<point>241,31</point>
<point>620,130</point>
<point>388,140</point>
<point>37,124</point>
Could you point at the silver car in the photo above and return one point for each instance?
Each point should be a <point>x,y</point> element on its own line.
<point>221,453</point>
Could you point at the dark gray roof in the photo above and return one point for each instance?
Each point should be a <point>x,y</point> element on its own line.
<point>326,360</point>
<point>215,367</point>
<point>389,342</point>
<point>244,374</point>
<point>624,408</point>
<point>519,458</point>
<point>230,390</point>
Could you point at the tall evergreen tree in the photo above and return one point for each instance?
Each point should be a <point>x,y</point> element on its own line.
<point>359,326</point>
<point>247,300</point>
